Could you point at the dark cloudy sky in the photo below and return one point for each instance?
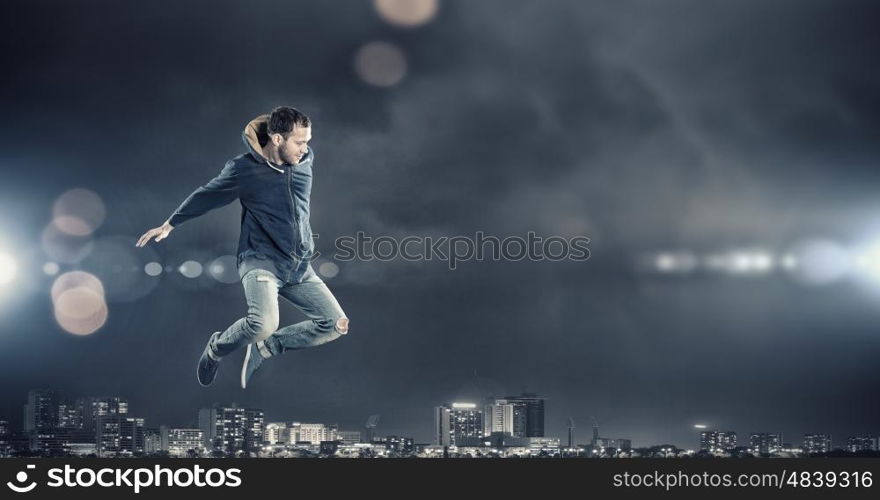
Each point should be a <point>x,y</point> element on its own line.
<point>644,125</point>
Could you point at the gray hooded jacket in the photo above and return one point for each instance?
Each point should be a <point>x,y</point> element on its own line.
<point>275,231</point>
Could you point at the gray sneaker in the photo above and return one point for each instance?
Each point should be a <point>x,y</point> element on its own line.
<point>252,361</point>
<point>208,364</point>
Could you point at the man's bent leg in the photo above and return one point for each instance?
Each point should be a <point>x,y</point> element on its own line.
<point>327,321</point>
<point>261,292</point>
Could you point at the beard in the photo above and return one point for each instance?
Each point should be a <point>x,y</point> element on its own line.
<point>287,157</point>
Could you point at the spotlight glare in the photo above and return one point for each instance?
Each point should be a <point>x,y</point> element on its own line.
<point>748,262</point>
<point>819,262</point>
<point>674,262</point>
<point>8,268</point>
<point>867,261</point>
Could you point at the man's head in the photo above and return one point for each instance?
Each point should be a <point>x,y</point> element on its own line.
<point>290,132</point>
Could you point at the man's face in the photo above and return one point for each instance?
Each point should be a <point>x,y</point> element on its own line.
<point>294,148</point>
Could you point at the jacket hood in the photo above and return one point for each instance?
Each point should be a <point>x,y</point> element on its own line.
<point>256,136</point>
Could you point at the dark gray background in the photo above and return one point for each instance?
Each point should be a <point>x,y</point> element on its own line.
<point>641,124</point>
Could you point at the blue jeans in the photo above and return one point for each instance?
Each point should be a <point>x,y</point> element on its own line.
<point>326,321</point>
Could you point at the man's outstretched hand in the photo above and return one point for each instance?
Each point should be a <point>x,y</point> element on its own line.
<point>160,233</point>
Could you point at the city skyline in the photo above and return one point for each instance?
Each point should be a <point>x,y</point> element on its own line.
<point>47,409</point>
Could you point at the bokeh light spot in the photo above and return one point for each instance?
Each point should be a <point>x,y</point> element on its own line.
<point>64,247</point>
<point>72,225</point>
<point>224,269</point>
<point>406,13</point>
<point>78,212</point>
<point>111,259</point>
<point>76,279</point>
<point>51,268</point>
<point>79,303</point>
<point>82,326</point>
<point>153,269</point>
<point>328,269</point>
<point>191,269</point>
<point>380,63</point>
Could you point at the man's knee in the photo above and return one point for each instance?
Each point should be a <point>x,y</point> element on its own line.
<point>260,327</point>
<point>337,325</point>
<point>342,325</point>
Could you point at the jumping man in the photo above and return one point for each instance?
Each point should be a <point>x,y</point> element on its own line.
<point>273,182</point>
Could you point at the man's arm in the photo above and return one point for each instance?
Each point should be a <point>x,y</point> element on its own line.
<point>219,191</point>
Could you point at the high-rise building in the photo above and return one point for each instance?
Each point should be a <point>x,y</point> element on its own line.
<point>817,443</point>
<point>460,424</point>
<point>716,441</point>
<point>152,440</point>
<point>442,425</point>
<point>254,423</point>
<point>69,415</point>
<point>90,408</point>
<point>509,415</point>
<point>499,418</point>
<point>868,442</point>
<point>232,429</point>
<point>764,443</point>
<point>276,432</point>
<point>179,442</point>
<point>532,407</point>
<point>40,411</point>
<point>5,447</point>
<point>119,435</point>
<point>313,433</point>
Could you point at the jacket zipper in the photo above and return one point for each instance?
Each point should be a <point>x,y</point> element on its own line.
<point>292,208</point>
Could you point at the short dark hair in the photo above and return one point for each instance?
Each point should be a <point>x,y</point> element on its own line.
<point>284,118</point>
